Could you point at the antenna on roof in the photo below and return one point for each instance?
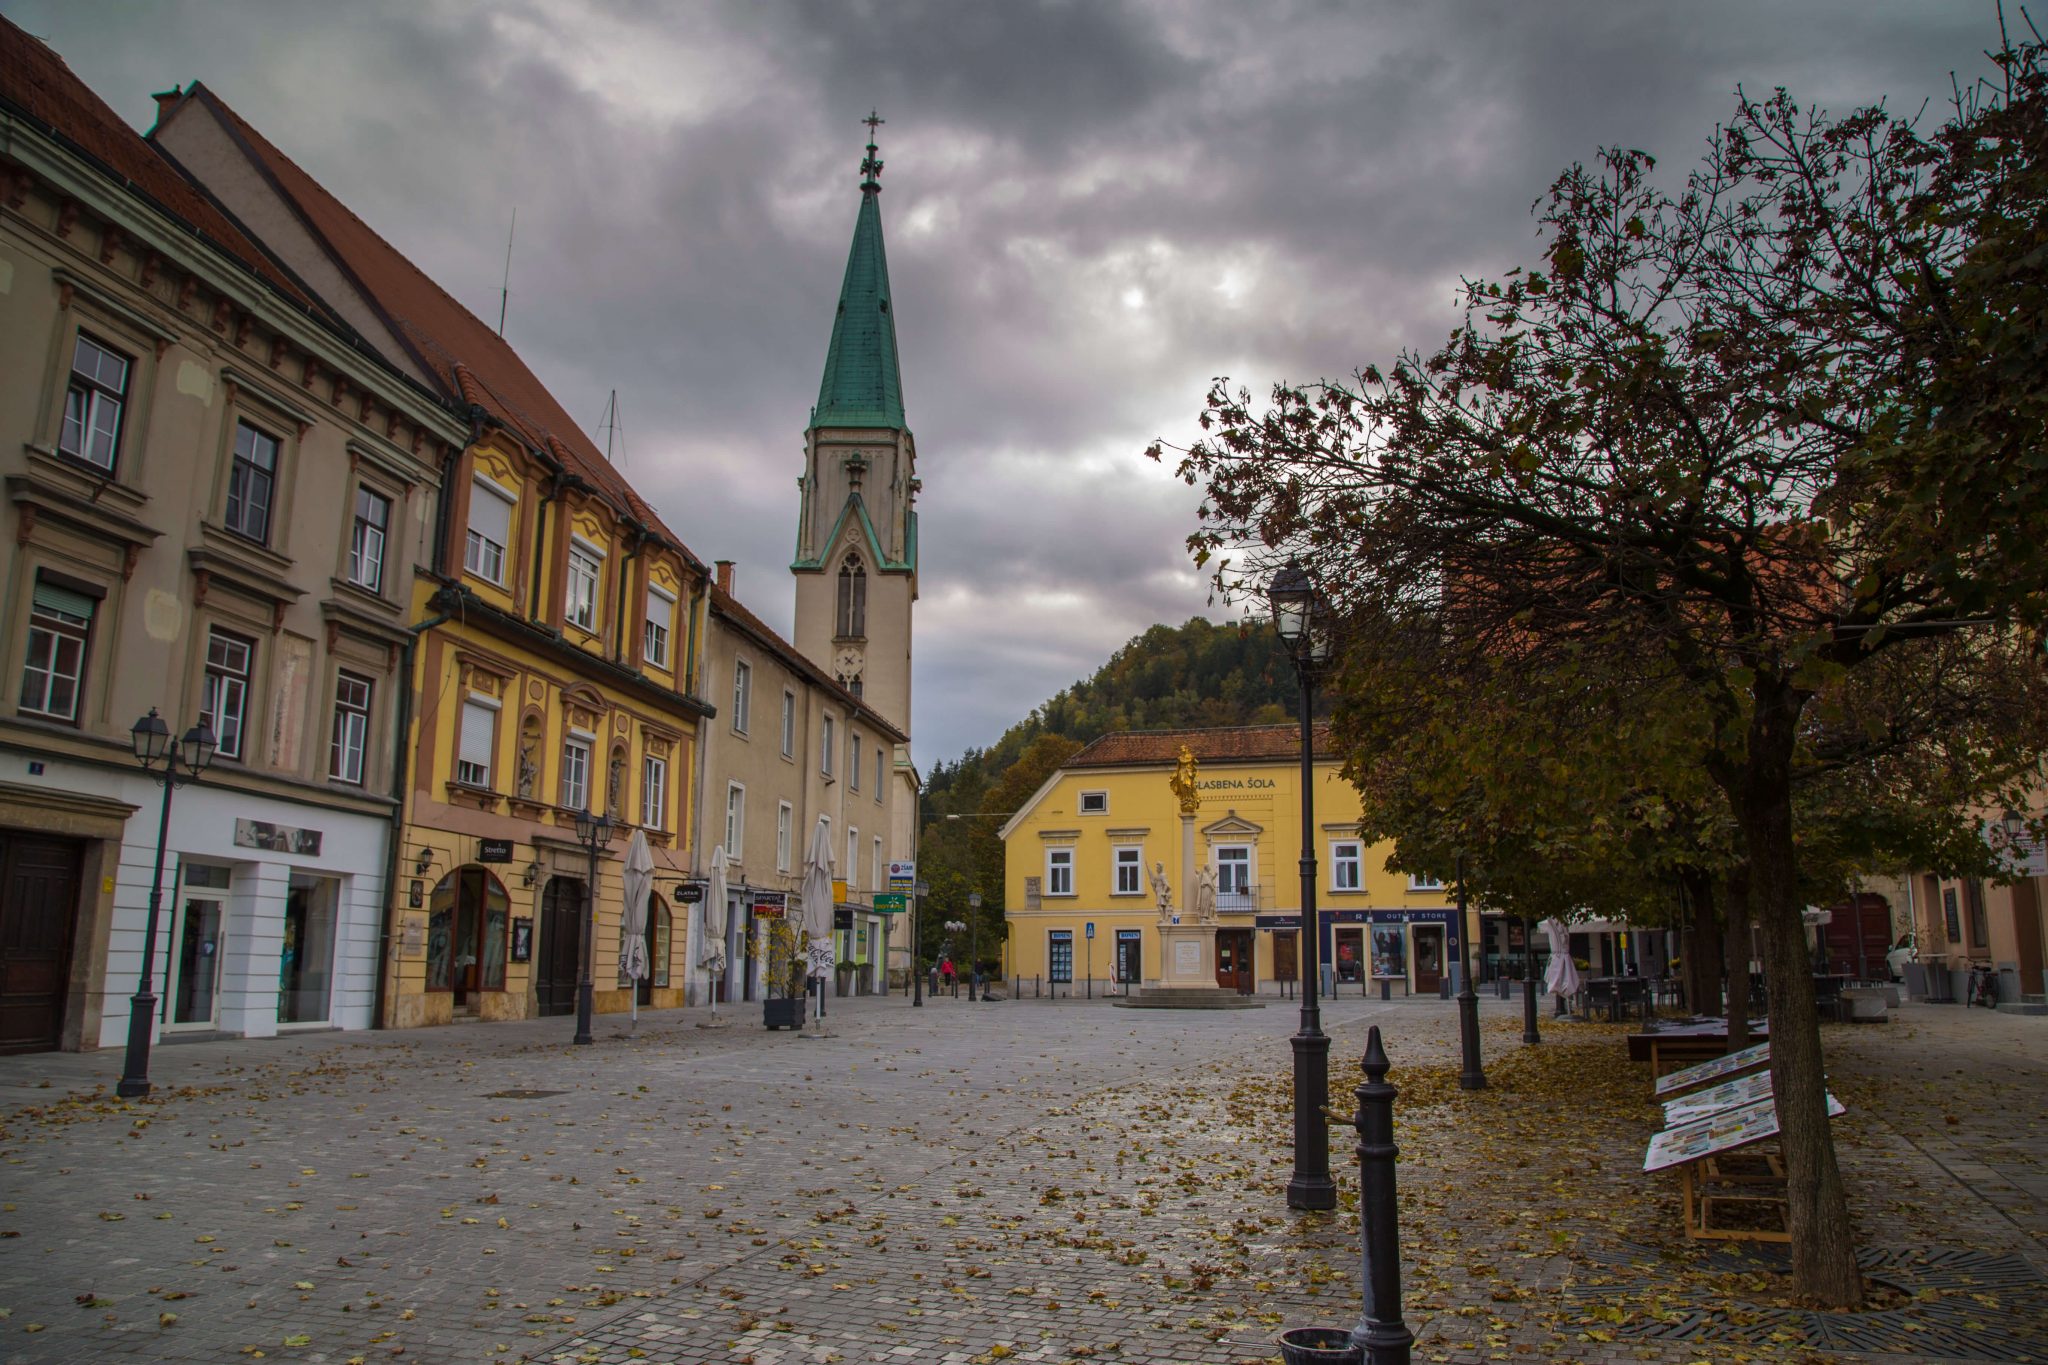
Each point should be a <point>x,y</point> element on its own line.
<point>612,426</point>
<point>505,289</point>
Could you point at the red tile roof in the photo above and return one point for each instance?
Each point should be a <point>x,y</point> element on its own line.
<point>35,83</point>
<point>1233,744</point>
<point>728,606</point>
<point>470,360</point>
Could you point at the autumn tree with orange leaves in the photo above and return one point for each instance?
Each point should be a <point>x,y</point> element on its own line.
<point>1756,438</point>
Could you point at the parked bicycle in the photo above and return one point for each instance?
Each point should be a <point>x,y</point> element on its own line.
<point>1983,986</point>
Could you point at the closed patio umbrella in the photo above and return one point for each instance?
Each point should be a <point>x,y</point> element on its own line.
<point>1562,977</point>
<point>639,882</point>
<point>713,957</point>
<point>817,895</point>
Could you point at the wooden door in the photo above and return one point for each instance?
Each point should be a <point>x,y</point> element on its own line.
<point>1429,957</point>
<point>559,951</point>
<point>1234,960</point>
<point>38,907</point>
<point>1286,956</point>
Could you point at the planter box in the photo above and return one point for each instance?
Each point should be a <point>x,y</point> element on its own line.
<point>786,1012</point>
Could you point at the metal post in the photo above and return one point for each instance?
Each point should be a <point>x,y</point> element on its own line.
<point>583,986</point>
<point>134,1082</point>
<point>1471,1077</point>
<point>916,966</point>
<point>1380,1331</point>
<point>1310,1187</point>
<point>1530,1034</point>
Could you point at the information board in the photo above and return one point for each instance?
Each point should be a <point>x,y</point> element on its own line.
<point>1715,1069</point>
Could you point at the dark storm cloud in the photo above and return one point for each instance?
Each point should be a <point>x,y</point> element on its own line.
<point>1091,209</point>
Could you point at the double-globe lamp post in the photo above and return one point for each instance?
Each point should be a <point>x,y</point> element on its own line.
<point>152,742</point>
<point>1302,618</point>
<point>974,947</point>
<point>956,927</point>
<point>593,832</point>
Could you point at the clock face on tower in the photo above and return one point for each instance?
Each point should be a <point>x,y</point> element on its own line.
<point>847,663</point>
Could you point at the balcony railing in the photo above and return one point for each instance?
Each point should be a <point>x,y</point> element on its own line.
<point>1243,902</point>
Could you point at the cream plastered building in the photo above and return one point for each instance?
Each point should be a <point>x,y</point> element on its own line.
<point>1081,855</point>
<point>217,498</point>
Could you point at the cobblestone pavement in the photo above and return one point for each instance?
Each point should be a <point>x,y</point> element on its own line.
<point>966,1182</point>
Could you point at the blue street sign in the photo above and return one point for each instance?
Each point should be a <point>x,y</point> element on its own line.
<point>1091,928</point>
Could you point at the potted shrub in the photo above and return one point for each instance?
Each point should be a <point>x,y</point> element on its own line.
<point>782,1004</point>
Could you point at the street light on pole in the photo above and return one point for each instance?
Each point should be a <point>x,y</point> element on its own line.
<point>151,739</point>
<point>593,832</point>
<point>955,926</point>
<point>1471,1076</point>
<point>974,945</point>
<point>1302,619</point>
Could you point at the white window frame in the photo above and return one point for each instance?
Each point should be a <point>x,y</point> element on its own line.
<point>469,770</point>
<point>850,870</point>
<point>1424,882</point>
<point>853,765</point>
<point>1101,800</point>
<point>1127,858</point>
<point>1059,870</point>
<point>1223,888</point>
<point>826,746</point>
<point>481,555</point>
<point>785,823</point>
<point>1347,869</point>
<point>574,788</point>
<point>878,774</point>
<point>788,723</point>
<point>583,591</point>
<point>742,695</point>
<point>224,683</point>
<point>68,638</point>
<point>654,635</point>
<point>875,866</point>
<point>653,791</point>
<point>247,475</point>
<point>735,820</point>
<point>367,540</point>
<point>349,747</point>
<point>93,406</point>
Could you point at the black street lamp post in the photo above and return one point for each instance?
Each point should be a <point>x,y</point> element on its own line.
<point>151,739</point>
<point>1302,619</point>
<point>916,949</point>
<point>593,832</point>
<point>974,947</point>
<point>1530,1033</point>
<point>1471,1077</point>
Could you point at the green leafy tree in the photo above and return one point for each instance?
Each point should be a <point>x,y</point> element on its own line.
<point>1699,443</point>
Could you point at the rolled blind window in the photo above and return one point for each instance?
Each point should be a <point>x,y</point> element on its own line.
<point>479,728</point>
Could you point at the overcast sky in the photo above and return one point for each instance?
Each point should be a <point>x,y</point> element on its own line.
<point>1091,209</point>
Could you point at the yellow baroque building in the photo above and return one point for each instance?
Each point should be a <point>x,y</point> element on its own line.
<point>1080,859</point>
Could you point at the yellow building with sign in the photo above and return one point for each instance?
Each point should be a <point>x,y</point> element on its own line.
<point>1087,857</point>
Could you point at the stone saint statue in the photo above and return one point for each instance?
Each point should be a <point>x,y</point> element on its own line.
<point>1183,782</point>
<point>1161,891</point>
<point>527,771</point>
<point>1205,896</point>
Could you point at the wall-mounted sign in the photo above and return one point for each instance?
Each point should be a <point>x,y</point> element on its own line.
<point>842,919</point>
<point>689,893</point>
<point>839,890</point>
<point>890,903</point>
<point>907,871</point>
<point>494,850</point>
<point>416,895</point>
<point>522,939</point>
<point>770,904</point>
<point>277,838</point>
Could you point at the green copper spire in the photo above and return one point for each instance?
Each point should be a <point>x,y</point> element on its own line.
<point>863,386</point>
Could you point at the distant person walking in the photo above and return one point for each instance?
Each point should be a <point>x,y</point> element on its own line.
<point>948,977</point>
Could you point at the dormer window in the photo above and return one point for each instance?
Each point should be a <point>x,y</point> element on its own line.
<point>853,599</point>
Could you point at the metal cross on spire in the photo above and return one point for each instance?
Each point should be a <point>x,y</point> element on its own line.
<point>871,165</point>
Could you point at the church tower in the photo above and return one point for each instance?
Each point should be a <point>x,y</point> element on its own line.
<point>856,540</point>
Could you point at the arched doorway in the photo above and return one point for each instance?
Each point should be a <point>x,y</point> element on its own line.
<point>467,924</point>
<point>659,926</point>
<point>560,948</point>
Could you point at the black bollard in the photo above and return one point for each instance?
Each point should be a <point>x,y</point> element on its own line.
<point>1380,1331</point>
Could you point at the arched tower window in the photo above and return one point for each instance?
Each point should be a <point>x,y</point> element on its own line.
<point>853,599</point>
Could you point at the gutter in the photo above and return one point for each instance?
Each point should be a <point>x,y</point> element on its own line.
<point>446,601</point>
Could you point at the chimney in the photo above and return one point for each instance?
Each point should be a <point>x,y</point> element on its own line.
<point>724,567</point>
<point>165,99</point>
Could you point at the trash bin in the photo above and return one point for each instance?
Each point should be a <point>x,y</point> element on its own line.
<point>1443,989</point>
<point>1320,1346</point>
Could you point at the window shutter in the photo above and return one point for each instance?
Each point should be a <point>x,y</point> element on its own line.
<point>660,610</point>
<point>479,727</point>
<point>490,512</point>
<point>50,597</point>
